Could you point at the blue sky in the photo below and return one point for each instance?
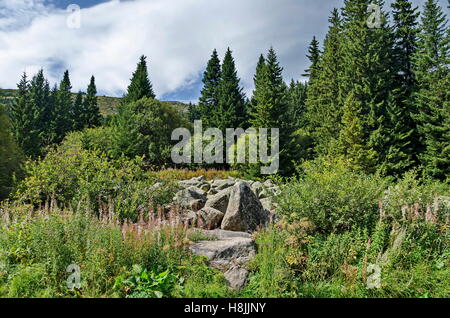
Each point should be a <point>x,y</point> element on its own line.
<point>178,37</point>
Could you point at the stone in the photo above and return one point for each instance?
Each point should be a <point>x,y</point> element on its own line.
<point>211,218</point>
<point>268,204</point>
<point>222,184</point>
<point>236,277</point>
<point>197,205</point>
<point>186,196</point>
<point>220,200</point>
<point>228,252</point>
<point>245,212</point>
<point>257,187</point>
<point>269,183</point>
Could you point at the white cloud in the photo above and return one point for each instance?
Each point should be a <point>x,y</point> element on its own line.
<point>178,37</point>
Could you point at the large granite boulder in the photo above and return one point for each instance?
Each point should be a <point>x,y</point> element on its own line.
<point>245,212</point>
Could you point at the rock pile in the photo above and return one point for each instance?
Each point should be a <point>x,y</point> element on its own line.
<point>230,204</point>
<point>227,211</point>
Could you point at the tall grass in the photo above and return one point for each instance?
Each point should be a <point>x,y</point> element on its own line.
<point>36,248</point>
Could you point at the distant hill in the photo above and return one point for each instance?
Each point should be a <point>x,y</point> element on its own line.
<point>108,105</point>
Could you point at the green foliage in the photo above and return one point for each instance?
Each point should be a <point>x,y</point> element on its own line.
<point>412,197</point>
<point>140,86</point>
<point>10,156</point>
<point>431,68</point>
<point>35,253</point>
<point>332,196</point>
<point>209,98</point>
<point>92,117</point>
<point>70,174</point>
<point>271,275</point>
<point>140,283</point>
<point>144,128</point>
<point>324,104</point>
<point>230,111</point>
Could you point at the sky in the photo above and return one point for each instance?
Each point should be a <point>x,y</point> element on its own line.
<point>177,36</point>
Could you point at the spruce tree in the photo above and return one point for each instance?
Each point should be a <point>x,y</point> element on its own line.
<point>297,99</point>
<point>271,105</point>
<point>64,109</point>
<point>140,85</point>
<point>400,128</point>
<point>92,116</point>
<point>367,72</point>
<point>209,100</point>
<point>324,102</point>
<point>351,138</point>
<point>25,115</point>
<point>230,111</point>
<point>314,57</point>
<point>431,68</point>
<point>10,155</point>
<point>78,113</point>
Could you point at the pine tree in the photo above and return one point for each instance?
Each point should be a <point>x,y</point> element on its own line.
<point>400,128</point>
<point>324,103</point>
<point>209,100</point>
<point>314,57</point>
<point>367,72</point>
<point>26,117</point>
<point>92,116</point>
<point>271,106</point>
<point>431,68</point>
<point>351,138</point>
<point>140,85</point>
<point>230,111</point>
<point>10,155</point>
<point>78,113</point>
<point>63,109</point>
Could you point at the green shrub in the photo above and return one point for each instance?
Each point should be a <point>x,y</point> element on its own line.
<point>332,196</point>
<point>70,175</point>
<point>271,275</point>
<point>98,138</point>
<point>140,283</point>
<point>144,128</point>
<point>411,197</point>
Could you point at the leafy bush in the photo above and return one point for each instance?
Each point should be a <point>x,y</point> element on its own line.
<point>144,128</point>
<point>412,197</point>
<point>98,138</point>
<point>70,174</point>
<point>140,283</point>
<point>332,196</point>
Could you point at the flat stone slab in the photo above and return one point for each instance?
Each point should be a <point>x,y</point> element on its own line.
<point>227,251</point>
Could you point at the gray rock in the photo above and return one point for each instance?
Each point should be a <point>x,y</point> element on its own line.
<point>236,277</point>
<point>211,218</point>
<point>268,204</point>
<point>222,184</point>
<point>197,205</point>
<point>220,200</point>
<point>186,196</point>
<point>228,252</point>
<point>225,249</point>
<point>244,213</point>
<point>269,183</point>
<point>257,188</point>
